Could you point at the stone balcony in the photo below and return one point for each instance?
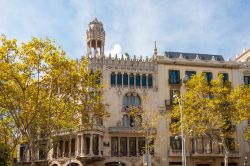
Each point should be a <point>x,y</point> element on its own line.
<point>130,108</point>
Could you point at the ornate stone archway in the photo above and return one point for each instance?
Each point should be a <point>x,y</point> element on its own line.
<point>55,163</point>
<point>73,161</point>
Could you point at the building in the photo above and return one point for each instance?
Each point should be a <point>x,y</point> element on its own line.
<point>147,84</point>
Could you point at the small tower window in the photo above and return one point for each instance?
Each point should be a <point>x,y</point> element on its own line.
<point>138,80</point>
<point>119,79</point>
<point>113,79</point>
<point>131,80</point>
<point>125,79</point>
<point>150,81</point>
<point>144,80</point>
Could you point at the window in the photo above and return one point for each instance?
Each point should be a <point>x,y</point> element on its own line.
<point>119,79</point>
<point>132,146</point>
<point>138,80</point>
<point>141,145</point>
<point>208,145</point>
<point>199,145</point>
<point>131,100</point>
<point>131,80</point>
<point>113,79</point>
<point>87,143</point>
<point>144,80</point>
<point>172,93</point>
<point>125,79</point>
<point>66,148</point>
<point>114,146</point>
<point>95,144</point>
<point>175,143</point>
<point>60,148</point>
<point>42,152</point>
<point>125,121</point>
<point>150,81</point>
<point>73,143</point>
<point>174,77</point>
<point>189,74</point>
<point>224,77</point>
<point>132,121</point>
<point>208,76</point>
<point>230,142</point>
<point>22,152</point>
<point>123,146</point>
<point>247,80</point>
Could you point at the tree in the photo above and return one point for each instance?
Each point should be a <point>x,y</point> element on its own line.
<point>145,123</point>
<point>42,90</point>
<point>208,110</point>
<point>241,98</point>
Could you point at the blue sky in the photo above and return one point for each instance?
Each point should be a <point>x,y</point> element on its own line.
<point>200,26</point>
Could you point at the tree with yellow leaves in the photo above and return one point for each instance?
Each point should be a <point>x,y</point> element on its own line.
<point>209,109</point>
<point>43,92</point>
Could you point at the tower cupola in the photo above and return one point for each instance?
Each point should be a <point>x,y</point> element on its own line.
<point>95,38</point>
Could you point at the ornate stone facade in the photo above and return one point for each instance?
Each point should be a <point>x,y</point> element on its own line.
<point>128,81</point>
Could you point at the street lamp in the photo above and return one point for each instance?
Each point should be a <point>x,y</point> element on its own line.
<point>183,142</point>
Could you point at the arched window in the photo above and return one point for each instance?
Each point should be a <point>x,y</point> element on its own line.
<point>144,80</point>
<point>119,79</point>
<point>138,80</point>
<point>113,79</point>
<point>150,81</point>
<point>125,121</point>
<point>131,80</point>
<point>125,79</point>
<point>131,100</point>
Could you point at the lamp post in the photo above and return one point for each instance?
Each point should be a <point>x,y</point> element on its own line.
<point>183,142</point>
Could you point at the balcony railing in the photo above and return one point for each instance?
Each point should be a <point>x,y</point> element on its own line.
<point>131,108</point>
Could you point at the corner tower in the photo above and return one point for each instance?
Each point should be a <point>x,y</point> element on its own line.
<point>95,38</point>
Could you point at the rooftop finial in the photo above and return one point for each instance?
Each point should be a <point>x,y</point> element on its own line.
<point>155,51</point>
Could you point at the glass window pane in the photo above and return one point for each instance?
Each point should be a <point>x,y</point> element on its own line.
<point>138,80</point>
<point>123,146</point>
<point>132,146</point>
<point>141,145</point>
<point>114,146</point>
<point>125,79</point>
<point>119,79</point>
<point>174,76</point>
<point>131,80</point>
<point>189,74</point>
<point>95,144</point>
<point>113,79</point>
<point>150,81</point>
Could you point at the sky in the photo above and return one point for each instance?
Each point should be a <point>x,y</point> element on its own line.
<point>198,26</point>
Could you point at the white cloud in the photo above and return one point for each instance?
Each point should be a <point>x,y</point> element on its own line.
<point>116,50</point>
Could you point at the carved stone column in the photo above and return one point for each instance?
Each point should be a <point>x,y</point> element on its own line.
<point>127,146</point>
<point>99,145</point>
<point>82,142</point>
<point>91,145</point>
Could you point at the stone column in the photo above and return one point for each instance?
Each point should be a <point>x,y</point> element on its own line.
<point>147,81</point>
<point>127,146</point>
<point>81,144</point>
<point>95,47</point>
<point>63,147</point>
<point>70,146</point>
<point>137,149</point>
<point>119,147</point>
<point>76,145</point>
<point>99,145</point>
<point>91,145</point>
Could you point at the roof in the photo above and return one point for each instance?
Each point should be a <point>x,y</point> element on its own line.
<point>194,56</point>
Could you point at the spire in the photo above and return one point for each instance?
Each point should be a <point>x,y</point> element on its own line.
<point>155,51</point>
